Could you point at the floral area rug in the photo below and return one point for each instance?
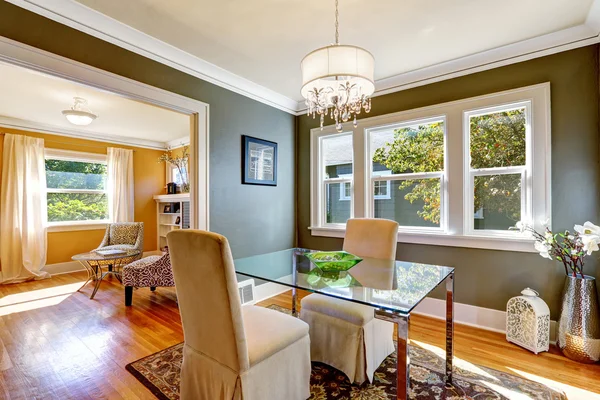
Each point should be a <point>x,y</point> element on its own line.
<point>159,372</point>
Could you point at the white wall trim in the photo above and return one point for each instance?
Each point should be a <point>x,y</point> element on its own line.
<point>92,22</point>
<point>176,143</point>
<point>465,314</point>
<point>15,123</point>
<point>82,18</point>
<point>267,290</point>
<point>22,55</point>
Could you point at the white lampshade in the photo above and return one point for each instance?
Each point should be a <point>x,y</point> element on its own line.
<point>323,66</point>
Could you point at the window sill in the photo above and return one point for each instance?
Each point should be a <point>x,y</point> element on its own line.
<point>519,244</point>
<point>76,226</point>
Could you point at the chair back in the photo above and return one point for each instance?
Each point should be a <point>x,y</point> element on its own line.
<point>371,237</point>
<point>125,233</point>
<point>208,296</point>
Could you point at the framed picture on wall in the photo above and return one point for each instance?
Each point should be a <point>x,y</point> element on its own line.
<point>259,161</point>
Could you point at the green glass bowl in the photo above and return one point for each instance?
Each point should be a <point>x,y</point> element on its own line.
<point>333,261</point>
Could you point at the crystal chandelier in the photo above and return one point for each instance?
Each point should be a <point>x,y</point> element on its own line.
<point>338,80</point>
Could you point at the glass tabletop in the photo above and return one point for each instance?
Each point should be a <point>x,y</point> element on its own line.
<point>95,256</point>
<point>396,286</point>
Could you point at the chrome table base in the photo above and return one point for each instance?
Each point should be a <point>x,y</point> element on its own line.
<point>403,324</point>
<point>403,357</point>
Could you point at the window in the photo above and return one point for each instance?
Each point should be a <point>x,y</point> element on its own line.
<point>407,160</point>
<point>76,187</point>
<point>337,166</point>
<point>457,174</point>
<point>497,139</point>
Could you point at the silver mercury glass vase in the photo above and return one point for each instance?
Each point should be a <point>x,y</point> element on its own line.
<point>579,322</point>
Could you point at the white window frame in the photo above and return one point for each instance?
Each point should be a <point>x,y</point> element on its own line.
<point>68,155</point>
<point>388,186</point>
<point>320,191</point>
<point>457,207</point>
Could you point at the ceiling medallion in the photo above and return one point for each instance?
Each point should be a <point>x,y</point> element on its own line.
<point>338,80</point>
<point>79,114</point>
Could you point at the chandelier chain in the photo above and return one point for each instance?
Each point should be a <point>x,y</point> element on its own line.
<point>337,23</point>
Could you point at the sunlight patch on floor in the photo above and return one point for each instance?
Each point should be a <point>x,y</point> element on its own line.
<point>573,393</point>
<point>19,302</point>
<point>457,362</point>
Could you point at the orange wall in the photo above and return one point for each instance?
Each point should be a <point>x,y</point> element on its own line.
<point>149,179</point>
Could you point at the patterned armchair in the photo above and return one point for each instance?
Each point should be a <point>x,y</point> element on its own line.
<point>123,235</point>
<point>152,272</point>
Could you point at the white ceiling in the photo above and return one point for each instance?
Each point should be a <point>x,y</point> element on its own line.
<point>265,40</point>
<point>31,99</point>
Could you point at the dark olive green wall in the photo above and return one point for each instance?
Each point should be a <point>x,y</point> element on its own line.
<point>488,278</point>
<point>256,219</point>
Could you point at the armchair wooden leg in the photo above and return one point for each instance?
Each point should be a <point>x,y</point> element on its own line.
<point>128,295</point>
<point>152,288</point>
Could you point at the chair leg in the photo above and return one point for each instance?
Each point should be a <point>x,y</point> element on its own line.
<point>152,288</point>
<point>128,295</point>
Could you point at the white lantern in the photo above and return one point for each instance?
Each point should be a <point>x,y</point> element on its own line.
<point>528,321</point>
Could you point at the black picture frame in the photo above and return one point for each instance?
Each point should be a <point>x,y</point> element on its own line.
<point>167,209</point>
<point>267,175</point>
<point>177,220</point>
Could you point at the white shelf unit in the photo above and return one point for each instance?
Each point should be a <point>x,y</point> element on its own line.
<point>166,221</point>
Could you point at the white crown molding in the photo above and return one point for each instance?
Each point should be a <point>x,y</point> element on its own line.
<point>82,18</point>
<point>176,143</point>
<point>92,22</point>
<point>552,43</point>
<point>16,123</point>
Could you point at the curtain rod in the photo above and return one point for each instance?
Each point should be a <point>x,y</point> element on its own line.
<point>67,143</point>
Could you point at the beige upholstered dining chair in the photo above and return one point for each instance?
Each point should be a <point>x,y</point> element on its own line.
<point>346,335</point>
<point>230,351</point>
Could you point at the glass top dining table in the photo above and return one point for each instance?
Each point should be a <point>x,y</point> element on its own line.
<point>392,288</point>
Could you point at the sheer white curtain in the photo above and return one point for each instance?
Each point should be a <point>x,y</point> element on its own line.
<point>120,184</point>
<point>22,210</point>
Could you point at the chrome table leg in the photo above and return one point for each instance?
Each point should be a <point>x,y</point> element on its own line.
<point>449,328</point>
<point>402,322</point>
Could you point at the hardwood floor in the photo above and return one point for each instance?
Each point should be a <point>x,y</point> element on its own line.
<point>56,343</point>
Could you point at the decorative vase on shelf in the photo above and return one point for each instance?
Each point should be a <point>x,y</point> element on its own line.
<point>579,321</point>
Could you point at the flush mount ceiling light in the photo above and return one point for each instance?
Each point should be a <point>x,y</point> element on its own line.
<point>79,114</point>
<point>338,80</point>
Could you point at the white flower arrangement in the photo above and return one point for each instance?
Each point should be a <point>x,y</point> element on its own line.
<point>568,248</point>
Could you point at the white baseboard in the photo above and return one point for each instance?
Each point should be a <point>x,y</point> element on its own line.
<point>74,266</point>
<point>465,314</point>
<point>269,289</point>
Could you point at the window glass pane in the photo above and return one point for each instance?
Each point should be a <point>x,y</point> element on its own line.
<point>498,139</point>
<point>413,202</point>
<point>337,210</point>
<point>337,155</point>
<point>414,148</point>
<point>62,174</point>
<point>77,207</point>
<point>497,201</point>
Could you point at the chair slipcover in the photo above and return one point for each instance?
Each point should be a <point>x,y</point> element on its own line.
<point>230,351</point>
<point>346,335</point>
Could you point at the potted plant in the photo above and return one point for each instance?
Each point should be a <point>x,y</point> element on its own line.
<point>579,320</point>
<point>181,162</point>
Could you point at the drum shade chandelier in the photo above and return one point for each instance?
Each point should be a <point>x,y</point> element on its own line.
<point>79,114</point>
<point>338,80</point>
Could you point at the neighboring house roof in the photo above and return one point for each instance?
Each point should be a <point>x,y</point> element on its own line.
<point>338,149</point>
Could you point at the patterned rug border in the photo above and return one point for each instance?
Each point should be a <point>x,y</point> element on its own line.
<point>156,391</point>
<point>143,380</point>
